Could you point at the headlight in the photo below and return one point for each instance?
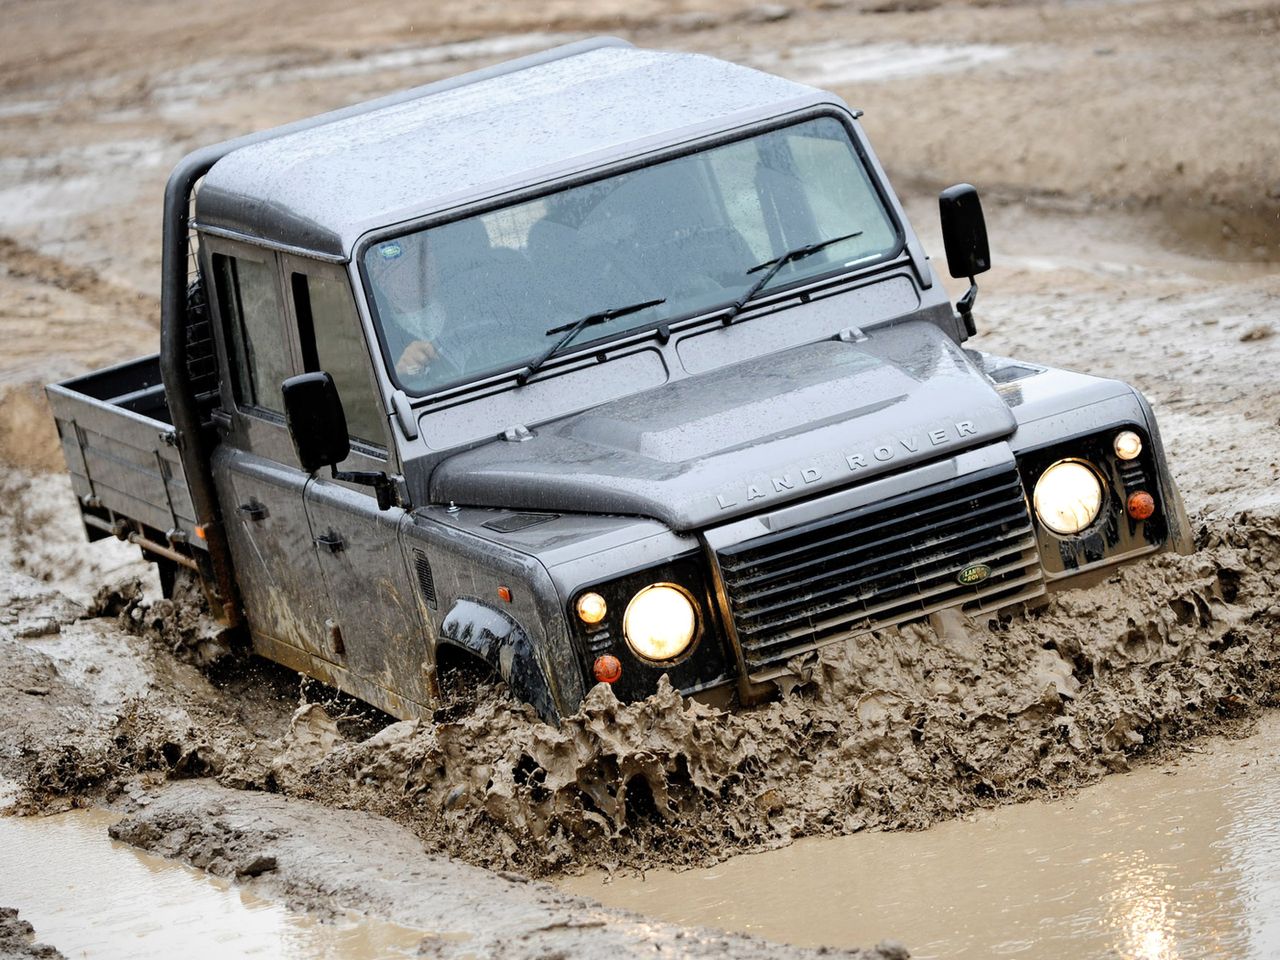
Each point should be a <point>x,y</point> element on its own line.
<point>1067,497</point>
<point>660,622</point>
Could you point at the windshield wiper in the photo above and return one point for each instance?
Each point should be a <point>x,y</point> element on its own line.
<point>776,264</point>
<point>575,328</point>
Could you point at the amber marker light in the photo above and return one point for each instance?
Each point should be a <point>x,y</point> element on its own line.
<point>200,534</point>
<point>591,610</point>
<point>608,668</point>
<point>504,594</point>
<point>1128,445</point>
<point>1141,505</point>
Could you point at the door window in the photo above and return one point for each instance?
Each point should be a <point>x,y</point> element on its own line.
<point>250,302</point>
<point>331,340</point>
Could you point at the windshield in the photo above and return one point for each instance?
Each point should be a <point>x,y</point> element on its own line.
<point>479,295</point>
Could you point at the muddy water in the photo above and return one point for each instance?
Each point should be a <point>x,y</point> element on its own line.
<point>1162,863</point>
<point>92,897</point>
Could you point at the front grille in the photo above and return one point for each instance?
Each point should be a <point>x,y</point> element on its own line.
<point>880,565</point>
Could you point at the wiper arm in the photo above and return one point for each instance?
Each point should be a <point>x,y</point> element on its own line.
<point>776,264</point>
<point>571,330</point>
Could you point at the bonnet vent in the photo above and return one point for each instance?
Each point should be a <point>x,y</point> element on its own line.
<point>518,521</point>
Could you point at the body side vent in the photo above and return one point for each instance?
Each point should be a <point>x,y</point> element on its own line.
<point>426,582</point>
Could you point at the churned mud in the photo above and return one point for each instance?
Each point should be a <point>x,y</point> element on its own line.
<point>892,731</point>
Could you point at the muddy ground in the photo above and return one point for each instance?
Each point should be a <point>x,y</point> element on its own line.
<point>1127,156</point>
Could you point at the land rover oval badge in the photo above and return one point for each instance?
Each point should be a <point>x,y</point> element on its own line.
<point>973,574</point>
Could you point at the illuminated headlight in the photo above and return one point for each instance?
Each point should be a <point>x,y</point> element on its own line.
<point>660,622</point>
<point>1067,497</point>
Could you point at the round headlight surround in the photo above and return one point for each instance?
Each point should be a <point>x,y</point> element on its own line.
<point>675,631</point>
<point>1068,497</point>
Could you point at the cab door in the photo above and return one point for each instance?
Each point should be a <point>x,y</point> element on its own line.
<point>371,610</point>
<point>259,481</point>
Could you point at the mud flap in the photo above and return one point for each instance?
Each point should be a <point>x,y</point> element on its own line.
<point>502,643</point>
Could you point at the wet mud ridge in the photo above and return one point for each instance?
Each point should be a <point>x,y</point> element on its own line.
<point>18,939</point>
<point>895,730</point>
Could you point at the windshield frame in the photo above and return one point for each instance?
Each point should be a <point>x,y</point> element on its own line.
<point>779,289</point>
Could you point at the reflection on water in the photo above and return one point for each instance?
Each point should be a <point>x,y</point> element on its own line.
<point>1167,863</point>
<point>92,897</point>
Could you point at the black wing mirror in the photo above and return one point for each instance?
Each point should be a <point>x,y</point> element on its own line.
<point>318,427</point>
<point>964,234</point>
<point>317,424</point>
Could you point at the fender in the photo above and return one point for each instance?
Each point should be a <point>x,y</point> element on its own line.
<point>1180,536</point>
<point>502,643</point>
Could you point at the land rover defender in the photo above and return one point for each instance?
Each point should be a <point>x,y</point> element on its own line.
<point>595,366</point>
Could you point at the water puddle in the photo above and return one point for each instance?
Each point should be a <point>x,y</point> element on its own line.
<point>1158,864</point>
<point>92,897</point>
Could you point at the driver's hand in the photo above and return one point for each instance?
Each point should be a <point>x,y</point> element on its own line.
<point>416,358</point>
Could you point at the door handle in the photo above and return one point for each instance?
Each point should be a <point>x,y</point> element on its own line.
<point>253,510</point>
<point>332,541</point>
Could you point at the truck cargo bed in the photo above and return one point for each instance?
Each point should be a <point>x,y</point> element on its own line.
<point>118,441</point>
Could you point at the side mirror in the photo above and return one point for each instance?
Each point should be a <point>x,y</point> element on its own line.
<point>964,231</point>
<point>317,424</point>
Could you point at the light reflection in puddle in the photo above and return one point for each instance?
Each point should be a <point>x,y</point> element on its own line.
<point>92,897</point>
<point>1160,864</point>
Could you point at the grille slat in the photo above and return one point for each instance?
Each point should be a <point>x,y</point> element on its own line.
<point>845,594</point>
<point>737,558</point>
<point>871,614</point>
<point>874,567</point>
<point>940,544</point>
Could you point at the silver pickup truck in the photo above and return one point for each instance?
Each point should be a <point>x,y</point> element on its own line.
<point>594,366</point>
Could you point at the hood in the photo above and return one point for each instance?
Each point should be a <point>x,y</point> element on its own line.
<point>753,435</point>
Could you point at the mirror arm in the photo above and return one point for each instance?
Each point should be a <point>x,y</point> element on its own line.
<point>383,486</point>
<point>965,307</point>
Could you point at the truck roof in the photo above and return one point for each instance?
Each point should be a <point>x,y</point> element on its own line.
<point>320,188</point>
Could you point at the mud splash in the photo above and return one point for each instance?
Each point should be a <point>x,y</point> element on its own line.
<point>897,731</point>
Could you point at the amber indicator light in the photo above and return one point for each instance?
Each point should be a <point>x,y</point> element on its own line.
<point>504,594</point>
<point>1141,505</point>
<point>608,669</point>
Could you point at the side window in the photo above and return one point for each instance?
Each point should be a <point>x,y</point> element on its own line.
<point>250,303</point>
<point>331,339</point>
